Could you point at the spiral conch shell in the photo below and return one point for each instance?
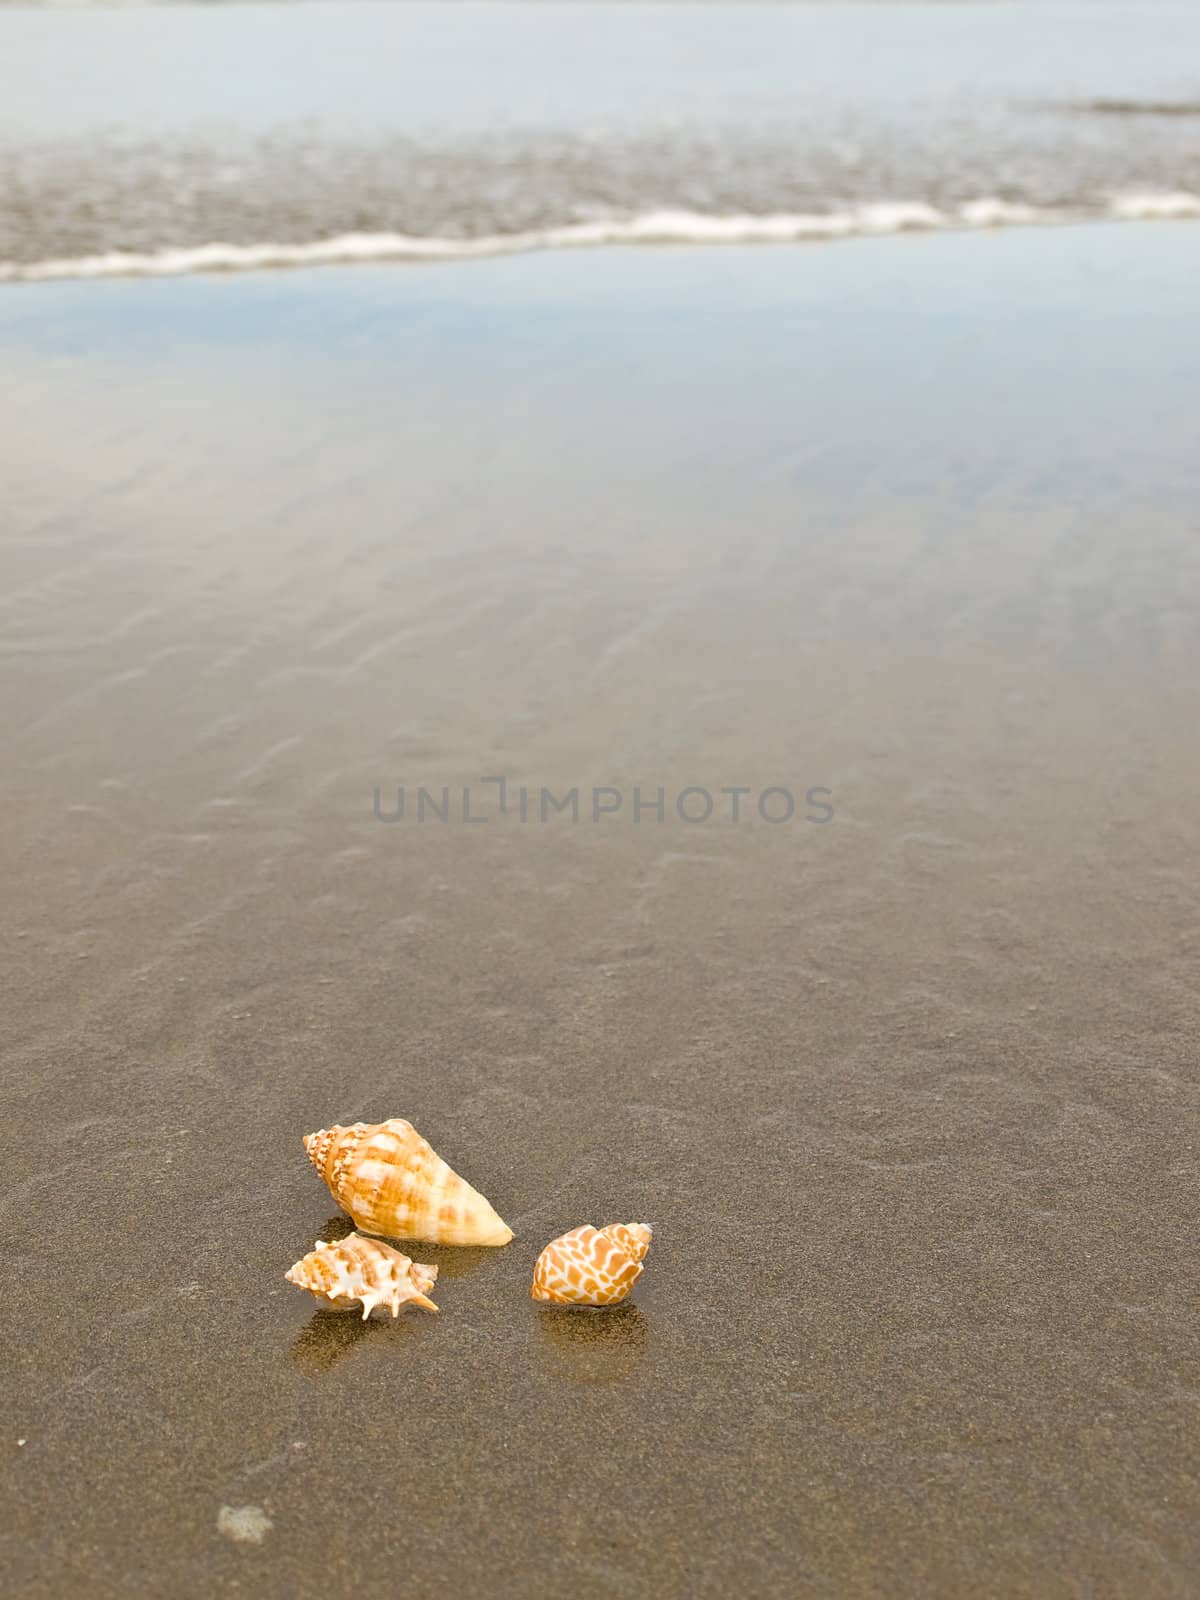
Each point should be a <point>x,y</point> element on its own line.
<point>591,1267</point>
<point>361,1270</point>
<point>393,1183</point>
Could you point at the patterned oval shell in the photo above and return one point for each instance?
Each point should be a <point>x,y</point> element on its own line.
<point>590,1266</point>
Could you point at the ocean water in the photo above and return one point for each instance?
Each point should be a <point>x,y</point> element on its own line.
<point>177,138</point>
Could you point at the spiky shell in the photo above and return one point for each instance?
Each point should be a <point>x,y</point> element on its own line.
<point>590,1266</point>
<point>393,1183</point>
<point>356,1271</point>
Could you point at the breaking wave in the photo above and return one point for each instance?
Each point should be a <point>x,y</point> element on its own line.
<point>649,228</point>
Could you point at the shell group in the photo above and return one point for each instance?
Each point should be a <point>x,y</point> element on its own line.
<point>591,1266</point>
<point>355,1271</point>
<point>392,1182</point>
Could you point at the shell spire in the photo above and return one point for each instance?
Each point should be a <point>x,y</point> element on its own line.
<point>592,1266</point>
<point>355,1271</point>
<point>392,1182</point>
<point>317,1146</point>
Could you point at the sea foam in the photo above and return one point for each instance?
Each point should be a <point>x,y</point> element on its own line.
<point>663,227</point>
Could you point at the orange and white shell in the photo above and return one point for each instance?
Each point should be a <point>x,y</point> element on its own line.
<point>355,1271</point>
<point>590,1266</point>
<point>393,1183</point>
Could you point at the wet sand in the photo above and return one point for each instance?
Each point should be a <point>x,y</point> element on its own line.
<point>909,1096</point>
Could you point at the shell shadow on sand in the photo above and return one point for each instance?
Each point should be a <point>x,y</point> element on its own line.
<point>329,1335</point>
<point>585,1345</point>
<point>452,1261</point>
<point>339,1227</point>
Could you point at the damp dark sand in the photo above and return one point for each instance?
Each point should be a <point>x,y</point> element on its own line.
<point>909,1096</point>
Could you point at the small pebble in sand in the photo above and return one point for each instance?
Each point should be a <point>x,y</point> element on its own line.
<point>244,1524</point>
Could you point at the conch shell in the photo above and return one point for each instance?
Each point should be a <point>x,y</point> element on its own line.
<point>361,1270</point>
<point>591,1267</point>
<point>392,1182</point>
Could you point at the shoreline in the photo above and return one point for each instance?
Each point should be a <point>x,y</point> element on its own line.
<point>659,230</point>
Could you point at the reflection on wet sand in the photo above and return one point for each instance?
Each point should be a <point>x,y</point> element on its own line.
<point>594,1346</point>
<point>326,1338</point>
<point>329,1335</point>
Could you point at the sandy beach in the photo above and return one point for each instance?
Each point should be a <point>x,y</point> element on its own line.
<point>908,1092</point>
